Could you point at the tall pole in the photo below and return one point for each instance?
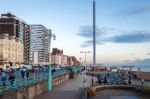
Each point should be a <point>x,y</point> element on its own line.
<point>49,67</point>
<point>49,81</point>
<point>85,79</point>
<point>94,38</point>
<point>94,34</point>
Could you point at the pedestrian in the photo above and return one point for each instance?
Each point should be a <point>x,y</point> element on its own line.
<point>108,75</point>
<point>99,79</point>
<point>22,74</point>
<point>11,78</point>
<point>3,79</point>
<point>92,81</point>
<point>129,81</point>
<point>23,70</point>
<point>142,81</point>
<point>105,80</point>
<point>27,73</point>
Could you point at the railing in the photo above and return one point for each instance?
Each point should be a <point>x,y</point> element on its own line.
<point>60,72</point>
<point>34,77</point>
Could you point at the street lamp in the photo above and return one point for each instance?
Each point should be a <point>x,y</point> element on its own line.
<point>49,66</point>
<point>85,52</point>
<point>80,64</point>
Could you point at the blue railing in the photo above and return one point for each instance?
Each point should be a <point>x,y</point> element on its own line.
<point>34,77</point>
<point>60,72</point>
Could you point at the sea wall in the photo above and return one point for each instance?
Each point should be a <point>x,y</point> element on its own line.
<point>29,91</point>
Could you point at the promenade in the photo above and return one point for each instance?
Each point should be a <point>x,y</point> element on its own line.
<point>71,89</point>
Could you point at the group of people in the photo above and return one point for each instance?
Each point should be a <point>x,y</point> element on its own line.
<point>7,76</point>
<point>132,76</point>
<point>100,80</point>
<point>124,78</point>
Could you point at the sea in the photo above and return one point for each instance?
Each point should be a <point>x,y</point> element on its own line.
<point>143,68</point>
<point>139,68</point>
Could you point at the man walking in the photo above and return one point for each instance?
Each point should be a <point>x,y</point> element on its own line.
<point>3,79</point>
<point>142,81</point>
<point>11,78</point>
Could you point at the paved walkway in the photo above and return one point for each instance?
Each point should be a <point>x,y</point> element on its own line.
<point>71,89</point>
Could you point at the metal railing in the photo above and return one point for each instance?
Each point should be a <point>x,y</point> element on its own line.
<point>33,78</point>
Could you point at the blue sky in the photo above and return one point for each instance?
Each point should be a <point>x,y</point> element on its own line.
<point>123,31</point>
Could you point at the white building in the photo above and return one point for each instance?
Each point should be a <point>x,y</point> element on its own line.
<point>56,59</point>
<point>64,60</point>
<point>39,44</point>
<point>56,56</point>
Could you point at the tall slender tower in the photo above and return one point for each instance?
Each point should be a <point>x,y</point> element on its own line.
<point>94,33</point>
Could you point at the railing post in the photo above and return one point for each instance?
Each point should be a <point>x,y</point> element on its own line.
<point>49,81</point>
<point>15,83</point>
<point>26,80</point>
<point>1,90</point>
<point>34,77</point>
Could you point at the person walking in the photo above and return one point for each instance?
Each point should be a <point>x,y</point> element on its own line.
<point>129,81</point>
<point>27,73</point>
<point>105,80</point>
<point>99,79</point>
<point>142,81</point>
<point>22,74</point>
<point>11,78</point>
<point>3,79</point>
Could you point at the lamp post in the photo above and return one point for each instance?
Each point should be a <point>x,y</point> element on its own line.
<point>85,52</point>
<point>49,66</point>
<point>80,64</point>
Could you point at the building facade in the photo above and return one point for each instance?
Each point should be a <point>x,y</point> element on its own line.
<point>56,56</point>
<point>16,28</point>
<point>64,60</point>
<point>39,44</point>
<point>11,51</point>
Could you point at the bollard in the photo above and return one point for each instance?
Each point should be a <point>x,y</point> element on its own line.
<point>49,83</point>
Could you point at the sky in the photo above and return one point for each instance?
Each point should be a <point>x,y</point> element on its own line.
<point>122,26</point>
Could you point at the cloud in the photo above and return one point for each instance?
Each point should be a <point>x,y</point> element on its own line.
<point>106,35</point>
<point>139,10</point>
<point>90,43</point>
<point>148,53</point>
<point>131,37</point>
<point>87,31</point>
